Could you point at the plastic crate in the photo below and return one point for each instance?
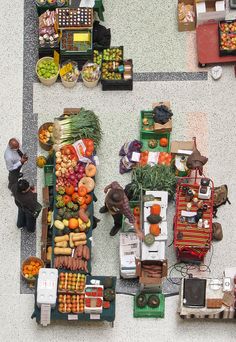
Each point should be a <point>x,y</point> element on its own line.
<point>82,48</point>
<point>118,84</point>
<point>145,136</point>
<point>147,311</point>
<point>114,47</point>
<point>47,51</point>
<point>48,175</point>
<point>230,35</point>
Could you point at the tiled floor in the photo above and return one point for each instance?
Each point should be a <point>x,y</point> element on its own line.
<point>204,108</point>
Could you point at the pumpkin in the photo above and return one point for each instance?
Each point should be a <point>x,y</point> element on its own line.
<point>88,182</point>
<point>84,206</point>
<point>66,199</point>
<point>90,170</point>
<point>70,190</point>
<point>155,209</point>
<point>81,200</point>
<point>82,191</point>
<point>41,161</point>
<point>73,223</point>
<point>75,197</point>
<point>136,211</point>
<point>155,229</point>
<point>88,198</point>
<point>163,142</point>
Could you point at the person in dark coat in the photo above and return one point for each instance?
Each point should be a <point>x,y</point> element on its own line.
<point>117,204</point>
<point>26,201</point>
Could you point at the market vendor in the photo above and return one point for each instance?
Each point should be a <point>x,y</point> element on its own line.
<point>117,204</point>
<point>28,207</point>
<point>14,159</point>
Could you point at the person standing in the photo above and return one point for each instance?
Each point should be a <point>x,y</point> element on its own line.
<point>117,204</point>
<point>14,159</point>
<point>28,206</point>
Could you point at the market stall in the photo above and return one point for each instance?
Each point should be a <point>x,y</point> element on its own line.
<point>67,224</point>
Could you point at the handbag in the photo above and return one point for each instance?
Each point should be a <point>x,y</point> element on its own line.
<point>36,211</point>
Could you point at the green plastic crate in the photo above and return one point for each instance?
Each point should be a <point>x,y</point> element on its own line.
<point>48,175</point>
<point>146,136</point>
<point>79,48</point>
<point>147,311</point>
<point>148,115</point>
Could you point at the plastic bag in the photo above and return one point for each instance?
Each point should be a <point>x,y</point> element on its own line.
<point>126,151</point>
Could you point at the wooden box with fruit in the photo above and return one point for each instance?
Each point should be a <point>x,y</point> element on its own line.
<point>227,37</point>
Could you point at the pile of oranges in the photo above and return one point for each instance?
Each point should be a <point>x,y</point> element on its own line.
<point>71,282</point>
<point>31,269</point>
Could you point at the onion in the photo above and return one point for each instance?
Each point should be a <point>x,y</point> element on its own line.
<point>63,170</point>
<point>65,159</point>
<point>72,177</point>
<point>58,160</point>
<point>73,163</point>
<point>58,173</point>
<point>67,151</point>
<point>58,154</point>
<point>76,188</point>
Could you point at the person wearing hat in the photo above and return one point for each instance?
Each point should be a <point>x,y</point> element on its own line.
<point>28,207</point>
<point>117,204</point>
<point>14,159</point>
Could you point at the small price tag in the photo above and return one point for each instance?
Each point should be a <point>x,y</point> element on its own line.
<point>72,317</point>
<point>67,68</point>
<point>56,57</point>
<point>95,316</point>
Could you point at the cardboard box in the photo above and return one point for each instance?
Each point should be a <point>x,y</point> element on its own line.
<point>178,146</point>
<point>167,127</point>
<point>141,273</point>
<point>210,10</point>
<point>184,25</point>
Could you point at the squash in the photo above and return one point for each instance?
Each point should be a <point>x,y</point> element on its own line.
<point>152,143</point>
<point>66,199</point>
<point>41,161</point>
<point>63,244</point>
<point>84,206</point>
<point>75,197</point>
<point>82,191</point>
<point>61,238</point>
<point>136,211</point>
<point>155,229</point>
<point>62,251</point>
<point>73,223</point>
<point>154,219</point>
<point>88,182</point>
<point>59,225</point>
<point>155,209</point>
<point>88,199</point>
<point>69,190</point>
<point>90,170</point>
<point>83,216</point>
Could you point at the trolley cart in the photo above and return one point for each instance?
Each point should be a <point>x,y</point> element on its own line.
<point>208,45</point>
<point>191,241</point>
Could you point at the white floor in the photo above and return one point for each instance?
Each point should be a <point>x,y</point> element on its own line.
<point>202,108</point>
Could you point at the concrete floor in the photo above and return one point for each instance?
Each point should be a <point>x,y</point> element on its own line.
<point>203,108</point>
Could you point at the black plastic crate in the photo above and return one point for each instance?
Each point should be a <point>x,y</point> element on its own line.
<point>118,84</point>
<point>230,34</point>
<point>47,51</point>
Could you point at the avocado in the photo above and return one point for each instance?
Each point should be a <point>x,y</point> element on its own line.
<point>141,300</point>
<point>109,295</point>
<point>153,301</point>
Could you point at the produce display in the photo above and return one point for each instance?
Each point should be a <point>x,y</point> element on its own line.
<point>47,33</point>
<point>45,134</point>
<point>69,71</point>
<point>71,303</point>
<point>97,57</point>
<point>76,41</point>
<point>186,12</point>
<point>113,54</point>
<point>30,270</point>
<point>71,282</point>
<point>227,32</point>
<point>110,71</point>
<point>161,158</point>
<point>83,125</point>
<point>91,72</point>
<point>47,69</point>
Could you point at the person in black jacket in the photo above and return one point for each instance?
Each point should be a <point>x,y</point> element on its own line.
<point>26,201</point>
